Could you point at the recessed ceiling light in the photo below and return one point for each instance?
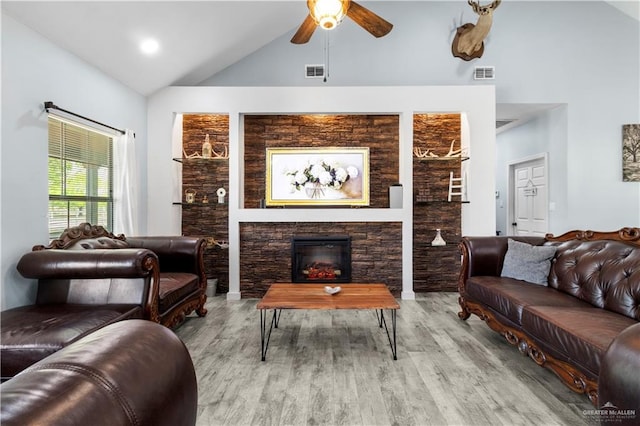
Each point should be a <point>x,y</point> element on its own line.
<point>149,46</point>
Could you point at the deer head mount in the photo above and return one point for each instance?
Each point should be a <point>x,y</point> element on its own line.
<point>468,43</point>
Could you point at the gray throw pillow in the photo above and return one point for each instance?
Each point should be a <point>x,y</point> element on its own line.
<point>526,262</point>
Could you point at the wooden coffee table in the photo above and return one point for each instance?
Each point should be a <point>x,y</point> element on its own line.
<point>312,296</point>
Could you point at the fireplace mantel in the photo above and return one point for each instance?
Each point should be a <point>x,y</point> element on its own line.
<point>321,215</point>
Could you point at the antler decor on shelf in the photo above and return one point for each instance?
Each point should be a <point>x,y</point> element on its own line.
<point>423,154</point>
<point>221,155</point>
<point>212,242</point>
<point>453,153</point>
<point>224,154</point>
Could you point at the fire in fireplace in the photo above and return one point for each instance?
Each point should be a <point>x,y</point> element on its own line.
<point>321,259</point>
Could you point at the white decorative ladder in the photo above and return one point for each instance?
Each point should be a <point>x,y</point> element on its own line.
<point>456,187</point>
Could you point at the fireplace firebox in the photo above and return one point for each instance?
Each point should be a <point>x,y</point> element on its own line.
<point>321,259</point>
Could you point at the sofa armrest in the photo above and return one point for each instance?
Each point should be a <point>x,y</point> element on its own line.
<point>130,372</point>
<point>176,253</point>
<point>618,380</point>
<point>87,264</point>
<point>484,256</point>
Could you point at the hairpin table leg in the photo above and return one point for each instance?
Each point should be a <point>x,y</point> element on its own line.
<point>391,336</point>
<point>264,335</point>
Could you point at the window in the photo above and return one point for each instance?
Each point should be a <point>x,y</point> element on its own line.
<point>80,177</point>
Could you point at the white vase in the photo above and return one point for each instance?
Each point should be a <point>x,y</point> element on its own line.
<point>314,190</point>
<point>438,240</point>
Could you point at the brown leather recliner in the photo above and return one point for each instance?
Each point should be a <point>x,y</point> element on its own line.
<point>133,372</point>
<point>72,301</point>
<point>178,283</point>
<point>89,278</point>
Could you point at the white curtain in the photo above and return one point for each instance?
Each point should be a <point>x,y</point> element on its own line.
<point>125,182</point>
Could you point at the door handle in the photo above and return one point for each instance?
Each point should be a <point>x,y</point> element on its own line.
<point>514,224</point>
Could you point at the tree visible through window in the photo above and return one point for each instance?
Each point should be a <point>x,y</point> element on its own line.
<point>80,177</point>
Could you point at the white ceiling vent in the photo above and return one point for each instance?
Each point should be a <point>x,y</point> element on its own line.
<point>314,71</point>
<point>484,73</point>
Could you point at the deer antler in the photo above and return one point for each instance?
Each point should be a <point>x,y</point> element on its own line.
<point>468,42</point>
<point>454,152</point>
<point>224,154</point>
<point>475,5</point>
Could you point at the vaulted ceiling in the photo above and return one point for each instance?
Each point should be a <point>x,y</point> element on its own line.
<point>197,39</point>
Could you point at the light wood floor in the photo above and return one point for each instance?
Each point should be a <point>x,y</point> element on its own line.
<point>335,368</point>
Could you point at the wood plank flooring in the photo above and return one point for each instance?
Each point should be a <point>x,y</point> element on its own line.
<point>336,368</point>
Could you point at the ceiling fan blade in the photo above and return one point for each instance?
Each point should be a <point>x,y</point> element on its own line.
<point>305,31</point>
<point>368,20</point>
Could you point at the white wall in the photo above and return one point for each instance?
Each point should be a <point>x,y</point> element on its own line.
<point>545,134</point>
<point>33,71</point>
<point>582,54</point>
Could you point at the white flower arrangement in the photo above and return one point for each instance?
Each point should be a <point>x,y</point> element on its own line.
<point>320,174</point>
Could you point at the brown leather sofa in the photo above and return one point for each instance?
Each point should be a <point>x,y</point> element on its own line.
<point>89,278</point>
<point>133,372</point>
<point>583,324</point>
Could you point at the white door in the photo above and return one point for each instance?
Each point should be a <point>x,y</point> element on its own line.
<point>530,212</point>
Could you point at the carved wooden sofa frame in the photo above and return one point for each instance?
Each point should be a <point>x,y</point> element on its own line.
<point>180,258</point>
<point>571,376</point>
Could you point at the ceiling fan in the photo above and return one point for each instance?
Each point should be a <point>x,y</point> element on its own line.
<point>327,14</point>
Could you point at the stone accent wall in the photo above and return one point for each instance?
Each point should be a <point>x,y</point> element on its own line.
<point>378,132</point>
<point>435,268</point>
<point>265,252</point>
<point>205,176</point>
<point>376,247</point>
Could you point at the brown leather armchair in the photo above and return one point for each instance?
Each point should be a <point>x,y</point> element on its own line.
<point>114,376</point>
<point>89,278</point>
<point>178,284</point>
<point>182,280</point>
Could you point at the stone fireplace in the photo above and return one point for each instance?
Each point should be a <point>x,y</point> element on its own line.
<point>265,251</point>
<point>321,259</point>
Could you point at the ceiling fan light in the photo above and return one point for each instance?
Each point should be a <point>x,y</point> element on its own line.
<point>328,22</point>
<point>328,13</point>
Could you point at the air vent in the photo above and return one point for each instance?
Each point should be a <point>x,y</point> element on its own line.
<point>484,73</point>
<point>314,71</point>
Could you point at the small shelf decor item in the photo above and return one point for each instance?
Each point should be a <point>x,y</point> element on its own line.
<point>457,187</point>
<point>332,290</point>
<point>212,243</point>
<point>206,147</point>
<point>208,152</point>
<point>190,196</point>
<point>438,240</point>
<point>317,176</point>
<point>221,192</point>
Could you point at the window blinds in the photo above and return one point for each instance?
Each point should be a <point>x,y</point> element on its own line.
<point>80,176</point>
